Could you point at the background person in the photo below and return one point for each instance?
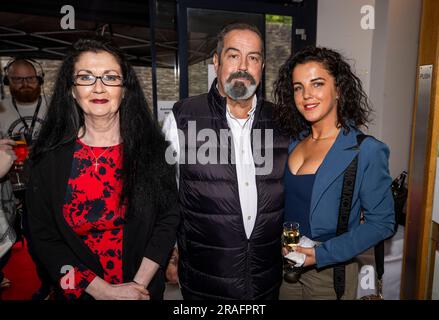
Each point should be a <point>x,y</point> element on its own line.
<point>7,208</point>
<point>25,109</point>
<point>23,113</point>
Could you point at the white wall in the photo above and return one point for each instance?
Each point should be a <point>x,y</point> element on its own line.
<point>398,93</point>
<point>338,27</point>
<point>385,60</point>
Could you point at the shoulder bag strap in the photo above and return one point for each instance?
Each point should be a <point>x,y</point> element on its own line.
<point>379,248</point>
<point>343,221</point>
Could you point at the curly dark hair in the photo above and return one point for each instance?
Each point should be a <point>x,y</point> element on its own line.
<point>353,107</point>
<point>145,172</point>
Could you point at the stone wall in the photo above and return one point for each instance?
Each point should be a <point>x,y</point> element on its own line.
<point>278,49</point>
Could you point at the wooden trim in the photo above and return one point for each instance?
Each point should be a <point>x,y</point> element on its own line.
<point>403,291</point>
<point>434,246</point>
<point>428,54</point>
<point>424,256</point>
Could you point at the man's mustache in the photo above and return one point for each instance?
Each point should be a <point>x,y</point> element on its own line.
<point>241,74</point>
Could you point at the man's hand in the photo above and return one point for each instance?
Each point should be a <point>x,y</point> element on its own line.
<point>172,268</point>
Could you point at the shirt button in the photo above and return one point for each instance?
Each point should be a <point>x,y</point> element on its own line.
<point>246,184</point>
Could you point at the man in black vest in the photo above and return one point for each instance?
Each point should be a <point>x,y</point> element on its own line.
<point>231,160</point>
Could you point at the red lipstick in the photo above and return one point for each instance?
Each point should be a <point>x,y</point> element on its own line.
<point>99,101</point>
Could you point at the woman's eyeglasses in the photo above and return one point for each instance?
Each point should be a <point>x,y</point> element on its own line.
<point>89,80</point>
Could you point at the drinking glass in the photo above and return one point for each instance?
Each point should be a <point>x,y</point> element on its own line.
<point>291,234</point>
<point>290,240</point>
<point>16,174</point>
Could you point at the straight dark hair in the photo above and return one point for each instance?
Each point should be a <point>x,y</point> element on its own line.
<point>144,146</point>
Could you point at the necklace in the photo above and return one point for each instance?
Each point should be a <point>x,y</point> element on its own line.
<point>96,164</point>
<point>325,138</point>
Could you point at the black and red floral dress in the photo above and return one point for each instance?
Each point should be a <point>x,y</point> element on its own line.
<point>92,209</point>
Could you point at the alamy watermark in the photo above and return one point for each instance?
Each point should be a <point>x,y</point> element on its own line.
<point>68,280</point>
<point>208,147</point>
<point>68,20</point>
<point>367,277</point>
<point>367,21</point>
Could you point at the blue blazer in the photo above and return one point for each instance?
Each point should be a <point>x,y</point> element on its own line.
<point>372,195</point>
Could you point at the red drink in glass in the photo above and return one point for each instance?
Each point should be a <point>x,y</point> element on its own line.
<point>21,151</point>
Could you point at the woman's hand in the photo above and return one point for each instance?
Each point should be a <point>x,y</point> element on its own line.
<point>128,291</point>
<point>310,255</point>
<point>7,156</point>
<point>102,290</point>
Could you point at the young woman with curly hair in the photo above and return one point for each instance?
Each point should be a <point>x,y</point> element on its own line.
<point>321,104</point>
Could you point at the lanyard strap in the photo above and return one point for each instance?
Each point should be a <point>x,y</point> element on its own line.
<point>28,130</point>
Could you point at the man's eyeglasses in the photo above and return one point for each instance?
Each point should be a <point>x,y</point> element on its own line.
<point>18,80</point>
<point>89,80</point>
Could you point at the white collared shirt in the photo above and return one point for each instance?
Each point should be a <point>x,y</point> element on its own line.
<point>245,167</point>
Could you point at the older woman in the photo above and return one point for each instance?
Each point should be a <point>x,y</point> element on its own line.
<point>321,103</point>
<point>101,197</point>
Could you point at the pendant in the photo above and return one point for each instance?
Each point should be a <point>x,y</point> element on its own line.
<point>96,165</point>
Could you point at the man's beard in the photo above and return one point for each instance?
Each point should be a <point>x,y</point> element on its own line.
<point>238,90</point>
<point>26,94</point>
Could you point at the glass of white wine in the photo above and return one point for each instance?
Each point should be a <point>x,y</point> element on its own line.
<point>291,234</point>
<point>290,240</point>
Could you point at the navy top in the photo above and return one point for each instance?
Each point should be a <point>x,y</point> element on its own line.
<point>298,191</point>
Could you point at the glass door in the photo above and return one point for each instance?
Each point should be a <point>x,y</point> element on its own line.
<point>203,26</point>
<point>284,27</point>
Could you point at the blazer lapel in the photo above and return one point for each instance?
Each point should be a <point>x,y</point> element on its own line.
<point>336,161</point>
